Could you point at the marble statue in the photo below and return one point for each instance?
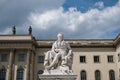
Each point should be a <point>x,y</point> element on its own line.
<point>60,56</point>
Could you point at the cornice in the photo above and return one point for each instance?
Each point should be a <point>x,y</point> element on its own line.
<point>48,43</point>
<point>117,40</point>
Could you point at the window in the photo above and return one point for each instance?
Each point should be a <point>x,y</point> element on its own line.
<point>110,58</point>
<point>3,74</point>
<point>82,59</point>
<point>40,59</point>
<point>111,75</point>
<point>21,57</point>
<point>96,59</point>
<point>97,75</point>
<point>4,57</point>
<point>83,75</point>
<point>20,72</point>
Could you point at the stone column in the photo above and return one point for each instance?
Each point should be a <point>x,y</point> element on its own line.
<point>32,66</point>
<point>35,73</point>
<point>10,64</point>
<point>28,65</point>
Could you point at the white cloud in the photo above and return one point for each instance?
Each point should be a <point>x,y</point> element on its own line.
<point>74,24</point>
<point>6,31</point>
<point>15,12</point>
<point>99,4</point>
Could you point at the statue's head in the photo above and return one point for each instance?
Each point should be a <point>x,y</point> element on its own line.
<point>60,36</point>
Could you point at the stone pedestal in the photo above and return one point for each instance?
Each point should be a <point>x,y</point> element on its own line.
<point>56,75</point>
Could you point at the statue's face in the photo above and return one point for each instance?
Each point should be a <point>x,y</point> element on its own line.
<point>60,37</point>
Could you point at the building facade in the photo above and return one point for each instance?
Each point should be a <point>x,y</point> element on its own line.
<point>22,57</point>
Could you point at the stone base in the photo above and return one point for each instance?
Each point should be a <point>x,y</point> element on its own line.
<point>57,77</point>
<point>57,74</point>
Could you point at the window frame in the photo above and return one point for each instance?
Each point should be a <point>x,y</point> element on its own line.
<point>110,58</point>
<point>82,59</point>
<point>21,57</point>
<point>111,75</point>
<point>3,73</point>
<point>40,59</point>
<point>97,75</point>
<point>95,59</point>
<point>3,58</point>
<point>20,74</point>
<point>83,76</point>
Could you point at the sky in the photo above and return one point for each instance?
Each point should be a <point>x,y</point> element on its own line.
<point>76,19</point>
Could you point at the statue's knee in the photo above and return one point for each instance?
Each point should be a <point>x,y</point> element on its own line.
<point>57,55</point>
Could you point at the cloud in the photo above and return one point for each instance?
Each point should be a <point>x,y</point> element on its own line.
<point>6,31</point>
<point>94,23</point>
<point>99,4</point>
<point>15,12</point>
<point>49,20</point>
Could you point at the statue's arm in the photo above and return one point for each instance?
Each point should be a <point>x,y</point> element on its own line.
<point>53,47</point>
<point>69,49</point>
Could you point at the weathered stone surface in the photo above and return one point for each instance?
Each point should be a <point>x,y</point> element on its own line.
<point>57,77</point>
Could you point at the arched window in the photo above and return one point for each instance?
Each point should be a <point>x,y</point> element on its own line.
<point>112,75</point>
<point>20,72</point>
<point>97,75</point>
<point>83,75</point>
<point>3,74</point>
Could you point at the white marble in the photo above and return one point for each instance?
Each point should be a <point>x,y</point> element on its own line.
<point>60,56</point>
<point>56,72</point>
<point>58,61</point>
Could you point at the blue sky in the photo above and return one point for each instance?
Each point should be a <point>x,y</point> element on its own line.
<point>85,5</point>
<point>76,19</point>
